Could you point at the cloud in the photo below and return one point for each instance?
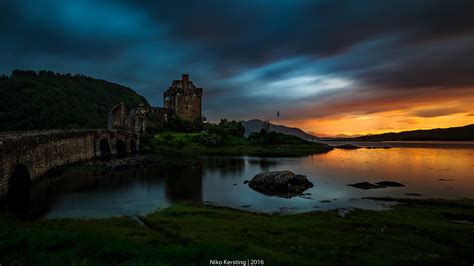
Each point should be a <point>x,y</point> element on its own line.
<point>309,59</point>
<point>438,112</point>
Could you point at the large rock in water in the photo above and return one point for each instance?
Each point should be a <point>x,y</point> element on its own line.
<point>280,183</point>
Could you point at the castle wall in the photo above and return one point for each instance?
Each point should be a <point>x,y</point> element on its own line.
<point>158,117</point>
<point>188,105</point>
<point>185,99</point>
<point>118,116</point>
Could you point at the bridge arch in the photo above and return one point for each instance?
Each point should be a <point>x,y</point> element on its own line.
<point>19,188</point>
<point>121,148</point>
<point>104,147</point>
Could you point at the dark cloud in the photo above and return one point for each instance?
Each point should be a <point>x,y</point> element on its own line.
<point>310,58</point>
<point>438,112</point>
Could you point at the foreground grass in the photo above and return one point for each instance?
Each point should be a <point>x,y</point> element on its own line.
<point>184,143</point>
<point>421,232</point>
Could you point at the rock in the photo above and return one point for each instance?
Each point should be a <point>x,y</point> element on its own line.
<point>347,147</point>
<point>123,164</point>
<point>344,211</point>
<point>212,203</point>
<point>280,183</point>
<point>286,210</point>
<point>365,185</point>
<point>378,147</point>
<point>303,196</point>
<point>381,184</point>
<point>389,184</point>
<point>414,194</point>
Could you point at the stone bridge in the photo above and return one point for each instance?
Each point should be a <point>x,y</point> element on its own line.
<point>25,156</point>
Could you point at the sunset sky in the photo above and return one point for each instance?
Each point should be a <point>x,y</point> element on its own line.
<point>329,67</point>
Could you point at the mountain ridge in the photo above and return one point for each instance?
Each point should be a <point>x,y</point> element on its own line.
<point>462,133</point>
<point>255,125</point>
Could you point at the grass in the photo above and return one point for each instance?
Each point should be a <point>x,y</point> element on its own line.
<point>421,232</point>
<point>185,143</point>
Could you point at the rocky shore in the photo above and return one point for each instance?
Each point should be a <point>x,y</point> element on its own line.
<point>126,163</point>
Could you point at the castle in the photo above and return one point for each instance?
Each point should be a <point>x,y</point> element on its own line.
<point>182,99</point>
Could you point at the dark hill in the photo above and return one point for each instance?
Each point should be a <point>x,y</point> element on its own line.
<point>255,125</point>
<point>465,133</point>
<point>47,100</point>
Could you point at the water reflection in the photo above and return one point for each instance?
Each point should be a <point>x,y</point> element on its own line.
<point>264,163</point>
<point>225,166</point>
<point>90,192</point>
<point>183,183</point>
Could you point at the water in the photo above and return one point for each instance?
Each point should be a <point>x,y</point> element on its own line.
<point>434,171</point>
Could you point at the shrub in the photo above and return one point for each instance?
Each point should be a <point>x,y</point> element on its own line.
<point>274,138</point>
<point>233,128</point>
<point>146,142</point>
<point>168,137</point>
<point>209,139</point>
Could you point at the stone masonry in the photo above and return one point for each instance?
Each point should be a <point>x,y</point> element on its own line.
<point>41,151</point>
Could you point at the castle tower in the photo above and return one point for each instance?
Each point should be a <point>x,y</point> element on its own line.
<point>184,99</point>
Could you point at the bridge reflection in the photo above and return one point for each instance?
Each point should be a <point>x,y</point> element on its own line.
<point>88,187</point>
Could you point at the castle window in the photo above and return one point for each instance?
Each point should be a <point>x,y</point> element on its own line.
<point>187,106</point>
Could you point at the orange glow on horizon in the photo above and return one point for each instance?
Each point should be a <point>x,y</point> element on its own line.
<point>352,124</point>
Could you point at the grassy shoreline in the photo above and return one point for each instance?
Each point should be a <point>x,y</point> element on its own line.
<point>185,143</point>
<point>234,150</point>
<point>434,232</point>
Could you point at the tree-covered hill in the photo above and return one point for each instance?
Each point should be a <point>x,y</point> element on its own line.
<point>46,100</point>
<point>465,133</point>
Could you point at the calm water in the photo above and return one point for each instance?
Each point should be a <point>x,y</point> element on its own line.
<point>436,170</point>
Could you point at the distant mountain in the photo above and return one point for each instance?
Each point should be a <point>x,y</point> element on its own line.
<point>465,133</point>
<point>47,100</point>
<point>337,136</point>
<point>255,125</point>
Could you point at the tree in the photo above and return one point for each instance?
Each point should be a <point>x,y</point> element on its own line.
<point>233,128</point>
<point>45,100</point>
<point>265,127</point>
